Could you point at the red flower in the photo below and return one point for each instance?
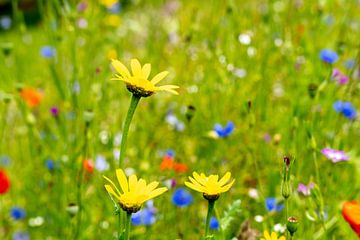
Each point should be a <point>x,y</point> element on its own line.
<point>167,163</point>
<point>351,213</point>
<point>180,167</point>
<point>31,96</point>
<point>88,166</point>
<point>4,182</point>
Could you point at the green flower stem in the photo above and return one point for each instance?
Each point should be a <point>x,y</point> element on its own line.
<point>127,226</point>
<point>211,204</point>
<point>133,104</point>
<point>57,80</point>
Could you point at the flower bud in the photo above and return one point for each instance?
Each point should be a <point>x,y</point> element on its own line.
<point>286,189</point>
<point>292,225</point>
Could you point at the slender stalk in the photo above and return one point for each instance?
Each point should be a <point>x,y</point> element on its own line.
<point>56,80</point>
<point>127,226</point>
<point>133,104</point>
<point>211,204</point>
<point>286,214</point>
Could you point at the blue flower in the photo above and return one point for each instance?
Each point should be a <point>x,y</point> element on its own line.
<point>350,63</point>
<point>182,198</point>
<point>328,56</point>
<point>5,22</point>
<point>48,52</point>
<point>226,131</point>
<point>214,223</point>
<point>170,153</point>
<point>17,213</point>
<point>50,165</point>
<point>101,163</point>
<point>21,236</point>
<point>272,205</point>
<point>346,108</point>
<point>146,216</point>
<point>5,160</point>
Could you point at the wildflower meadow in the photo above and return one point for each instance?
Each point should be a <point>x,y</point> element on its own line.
<point>179,119</point>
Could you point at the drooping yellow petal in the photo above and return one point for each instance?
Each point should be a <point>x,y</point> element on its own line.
<point>195,182</point>
<point>157,192</point>
<point>136,68</point>
<point>195,187</point>
<point>110,190</point>
<point>146,70</point>
<point>120,68</point>
<point>151,187</point>
<point>112,184</point>
<point>158,77</point>
<point>225,179</point>
<point>122,180</point>
<point>228,186</point>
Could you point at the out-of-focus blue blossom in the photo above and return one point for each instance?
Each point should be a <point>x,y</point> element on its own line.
<point>101,163</point>
<point>20,236</point>
<point>346,108</point>
<point>272,205</point>
<point>48,52</point>
<point>5,22</point>
<point>146,216</point>
<point>76,87</point>
<point>224,131</point>
<point>116,8</point>
<point>350,63</point>
<point>214,223</point>
<point>50,164</point>
<point>170,153</point>
<point>182,198</point>
<point>5,160</point>
<point>17,213</point>
<point>328,56</point>
<point>173,121</point>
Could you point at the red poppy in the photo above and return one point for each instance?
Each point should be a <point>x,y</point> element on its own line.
<point>31,96</point>
<point>351,213</point>
<point>88,166</point>
<point>180,167</point>
<point>167,163</point>
<point>4,182</point>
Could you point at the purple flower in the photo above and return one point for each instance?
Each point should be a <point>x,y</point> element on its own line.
<point>339,77</point>
<point>335,155</point>
<point>21,236</point>
<point>224,132</point>
<point>54,111</point>
<point>82,6</point>
<point>305,190</point>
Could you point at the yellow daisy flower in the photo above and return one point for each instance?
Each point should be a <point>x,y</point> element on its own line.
<point>138,82</point>
<point>273,236</point>
<point>134,192</point>
<point>211,186</point>
<point>108,3</point>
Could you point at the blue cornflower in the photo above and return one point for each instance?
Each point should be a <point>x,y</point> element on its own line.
<point>170,153</point>
<point>146,216</point>
<point>272,205</point>
<point>350,63</point>
<point>214,223</point>
<point>48,52</point>
<point>226,131</point>
<point>116,8</point>
<point>182,198</point>
<point>50,164</point>
<point>328,56</point>
<point>17,213</point>
<point>5,22</point>
<point>21,236</point>
<point>346,108</point>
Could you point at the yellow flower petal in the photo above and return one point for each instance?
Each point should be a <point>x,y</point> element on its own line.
<point>157,192</point>
<point>110,190</point>
<point>113,185</point>
<point>282,238</point>
<point>200,179</point>
<point>267,235</point>
<point>228,186</point>
<point>146,70</point>
<point>225,179</point>
<point>273,236</point>
<point>122,180</point>
<point>120,68</point>
<point>195,187</point>
<point>132,183</point>
<point>158,77</point>
<point>136,68</point>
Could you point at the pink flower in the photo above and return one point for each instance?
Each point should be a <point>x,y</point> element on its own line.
<point>335,155</point>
